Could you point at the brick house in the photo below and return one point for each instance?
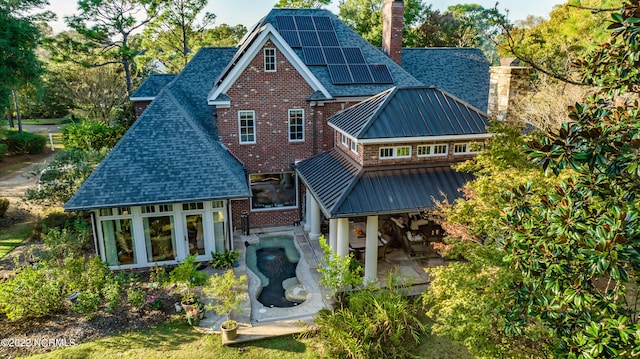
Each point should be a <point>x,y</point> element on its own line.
<point>228,134</point>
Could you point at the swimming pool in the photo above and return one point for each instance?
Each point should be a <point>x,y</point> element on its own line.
<point>274,260</point>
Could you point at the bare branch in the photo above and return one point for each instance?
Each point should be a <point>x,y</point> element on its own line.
<point>594,10</point>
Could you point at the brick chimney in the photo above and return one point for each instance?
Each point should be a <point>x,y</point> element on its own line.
<point>392,23</point>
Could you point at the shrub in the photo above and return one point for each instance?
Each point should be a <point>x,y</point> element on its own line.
<point>32,293</point>
<point>67,242</point>
<point>223,260</point>
<point>136,296</point>
<point>88,303</point>
<point>187,274</point>
<point>91,135</point>
<point>372,324</point>
<point>4,206</point>
<point>3,150</point>
<point>111,294</point>
<point>23,143</point>
<point>159,275</point>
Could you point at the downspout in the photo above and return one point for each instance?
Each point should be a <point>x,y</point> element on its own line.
<point>230,229</point>
<point>315,128</point>
<point>95,234</point>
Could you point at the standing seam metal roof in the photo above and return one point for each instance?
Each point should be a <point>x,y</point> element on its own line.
<point>410,112</point>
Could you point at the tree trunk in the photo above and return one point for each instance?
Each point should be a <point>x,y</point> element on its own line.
<point>17,102</point>
<point>127,74</point>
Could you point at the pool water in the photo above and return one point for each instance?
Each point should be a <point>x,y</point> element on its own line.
<point>273,259</point>
<point>273,263</point>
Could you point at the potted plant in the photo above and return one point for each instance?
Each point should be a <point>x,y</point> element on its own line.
<point>187,276</point>
<point>229,292</point>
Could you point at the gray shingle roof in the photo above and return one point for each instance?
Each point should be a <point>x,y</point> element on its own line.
<point>171,153</point>
<point>348,38</point>
<point>410,112</point>
<point>463,72</point>
<point>344,189</point>
<point>152,85</point>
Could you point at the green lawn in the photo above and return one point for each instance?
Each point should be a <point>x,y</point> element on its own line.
<point>176,340</point>
<point>41,121</point>
<point>11,237</point>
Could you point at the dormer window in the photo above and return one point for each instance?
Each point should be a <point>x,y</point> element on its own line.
<point>467,148</point>
<point>270,59</point>
<point>343,139</point>
<point>433,150</point>
<point>395,152</point>
<point>354,146</point>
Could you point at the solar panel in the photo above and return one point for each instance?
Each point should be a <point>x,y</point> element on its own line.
<point>285,23</point>
<point>304,23</point>
<point>333,55</point>
<point>291,37</point>
<point>323,23</point>
<point>328,38</point>
<point>361,74</point>
<point>308,38</point>
<point>381,74</point>
<point>313,56</point>
<point>340,74</point>
<point>353,55</point>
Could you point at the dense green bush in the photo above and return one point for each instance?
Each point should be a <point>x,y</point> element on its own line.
<point>24,143</point>
<point>374,323</point>
<point>4,206</point>
<point>67,242</point>
<point>111,294</point>
<point>33,293</point>
<point>3,150</point>
<point>91,135</point>
<point>88,303</point>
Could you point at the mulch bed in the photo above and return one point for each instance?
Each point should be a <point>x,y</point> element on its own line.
<point>69,328</point>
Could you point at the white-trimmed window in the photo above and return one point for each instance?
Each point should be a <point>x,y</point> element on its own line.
<point>343,139</point>
<point>117,236</point>
<point>159,227</point>
<point>269,59</point>
<point>395,152</point>
<point>440,149</point>
<point>467,148</point>
<point>247,126</point>
<point>296,125</point>
<point>353,146</point>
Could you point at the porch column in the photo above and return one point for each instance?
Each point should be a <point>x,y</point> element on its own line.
<point>343,237</point>
<point>315,220</point>
<point>371,249</point>
<point>307,211</point>
<point>333,234</point>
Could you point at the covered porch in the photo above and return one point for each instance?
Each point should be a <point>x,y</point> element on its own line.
<point>373,210</point>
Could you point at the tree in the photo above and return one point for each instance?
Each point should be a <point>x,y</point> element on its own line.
<point>365,18</point>
<point>223,35</point>
<point>302,4</point>
<point>577,248</point>
<point>437,30</point>
<point>570,33</point>
<point>106,28</point>
<point>173,37</point>
<point>19,36</point>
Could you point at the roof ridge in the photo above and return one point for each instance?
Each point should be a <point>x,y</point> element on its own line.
<point>390,93</point>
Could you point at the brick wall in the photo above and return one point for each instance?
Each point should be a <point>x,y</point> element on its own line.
<point>140,106</point>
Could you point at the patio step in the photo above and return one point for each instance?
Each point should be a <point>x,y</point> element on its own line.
<point>273,329</point>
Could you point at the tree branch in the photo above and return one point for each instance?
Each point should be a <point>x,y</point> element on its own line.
<point>594,10</point>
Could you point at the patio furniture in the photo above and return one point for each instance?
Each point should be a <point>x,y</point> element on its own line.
<point>415,245</point>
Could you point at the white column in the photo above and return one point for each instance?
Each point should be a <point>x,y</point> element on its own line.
<point>343,237</point>
<point>315,220</point>
<point>307,212</point>
<point>333,234</point>
<point>371,246</point>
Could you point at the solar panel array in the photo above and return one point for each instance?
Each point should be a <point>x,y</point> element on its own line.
<point>317,38</point>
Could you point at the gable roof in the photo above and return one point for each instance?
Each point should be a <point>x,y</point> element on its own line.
<point>347,38</point>
<point>151,86</point>
<point>410,112</point>
<point>345,189</point>
<point>171,153</point>
<point>462,72</point>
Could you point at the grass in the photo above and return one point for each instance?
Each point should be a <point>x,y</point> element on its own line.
<point>177,340</point>
<point>40,121</point>
<point>12,237</point>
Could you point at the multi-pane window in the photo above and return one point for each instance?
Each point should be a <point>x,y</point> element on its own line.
<point>274,190</point>
<point>395,152</point>
<point>432,150</point>
<point>343,139</point>
<point>354,146</point>
<point>270,60</point>
<point>468,148</point>
<point>296,125</point>
<point>247,126</point>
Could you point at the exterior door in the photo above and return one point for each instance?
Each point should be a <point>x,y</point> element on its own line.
<point>194,235</point>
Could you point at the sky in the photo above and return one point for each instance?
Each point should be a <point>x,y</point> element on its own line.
<point>248,12</point>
